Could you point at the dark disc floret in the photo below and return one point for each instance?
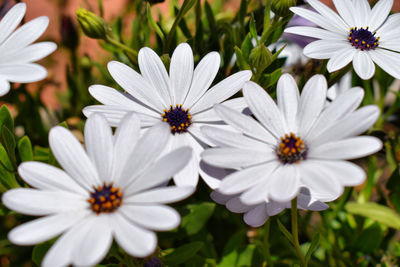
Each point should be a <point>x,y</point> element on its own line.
<point>106,198</point>
<point>363,39</point>
<point>178,118</point>
<point>291,149</point>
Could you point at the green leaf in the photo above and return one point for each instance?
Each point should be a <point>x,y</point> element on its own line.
<point>232,249</point>
<point>182,253</point>
<point>6,118</point>
<point>272,78</point>
<point>39,251</point>
<point>240,60</point>
<point>313,247</point>
<point>8,141</point>
<point>246,256</point>
<point>64,124</point>
<point>242,11</point>
<point>253,29</point>
<point>375,212</point>
<point>25,149</point>
<point>369,240</point>
<point>197,216</point>
<point>284,231</point>
<point>153,24</point>
<point>247,46</point>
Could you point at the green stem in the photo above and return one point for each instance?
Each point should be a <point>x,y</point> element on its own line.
<point>295,233</point>
<point>123,47</point>
<point>266,243</point>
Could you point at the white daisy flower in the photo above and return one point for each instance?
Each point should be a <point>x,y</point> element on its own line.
<point>180,99</point>
<point>109,190</point>
<point>295,144</point>
<point>356,34</point>
<point>17,51</point>
<point>257,214</point>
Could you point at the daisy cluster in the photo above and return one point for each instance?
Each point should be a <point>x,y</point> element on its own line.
<point>147,145</point>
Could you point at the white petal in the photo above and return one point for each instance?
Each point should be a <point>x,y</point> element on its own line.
<point>47,177</point>
<point>25,35</point>
<point>265,109</point>
<point>181,72</point>
<point>95,242</point>
<point>354,124</point>
<point>4,86</point>
<point>188,175</point>
<point>136,85</point>
<point>224,138</point>
<point>241,180</point>
<point>72,157</point>
<point>11,20</point>
<point>343,105</point>
<point>113,114</point>
<point>323,49</point>
<point>345,9</point>
<point>203,76</point>
<point>166,195</point>
<point>322,185</point>
<point>99,145</point>
<point>389,61</point>
<point>288,99</point>
<point>161,171</point>
<point>220,198</point>
<point>329,14</point>
<point>257,194</point>
<point>237,206</point>
<point>284,184</point>
<point>350,148</point>
<point>109,96</point>
<point>244,123</point>
<point>39,202</point>
<point>315,33</point>
<point>30,53</point>
<point>347,173</point>
<point>23,73</point>
<point>274,208</point>
<point>221,91</point>
<point>363,65</point>
<point>147,150</point>
<point>152,217</point>
<point>312,101</point>
<point>153,70</point>
<point>362,10</point>
<point>390,44</point>
<point>236,158</point>
<point>389,29</point>
<point>379,13</point>
<point>341,58</point>
<point>135,240</point>
<point>125,139</point>
<point>322,21</point>
<point>257,216</point>
<point>45,228</point>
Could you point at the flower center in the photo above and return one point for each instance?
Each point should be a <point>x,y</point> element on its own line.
<point>106,198</point>
<point>178,118</point>
<point>292,149</point>
<point>363,39</point>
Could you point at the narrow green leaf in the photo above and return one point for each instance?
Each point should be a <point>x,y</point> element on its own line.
<point>182,253</point>
<point>9,143</point>
<point>313,247</point>
<point>375,212</point>
<point>242,11</point>
<point>253,29</point>
<point>267,17</point>
<point>284,231</point>
<point>39,251</point>
<point>25,149</point>
<point>153,24</point>
<point>240,60</point>
<point>247,46</point>
<point>210,16</point>
<point>6,118</point>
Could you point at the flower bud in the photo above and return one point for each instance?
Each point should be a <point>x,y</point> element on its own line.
<point>281,7</point>
<point>260,57</point>
<point>92,25</point>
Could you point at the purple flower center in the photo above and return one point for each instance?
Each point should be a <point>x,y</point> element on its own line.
<point>106,198</point>
<point>363,39</point>
<point>292,149</point>
<point>178,118</point>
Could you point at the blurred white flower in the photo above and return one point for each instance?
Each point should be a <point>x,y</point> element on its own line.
<point>17,51</point>
<point>339,88</point>
<point>180,99</point>
<point>357,34</point>
<point>297,143</point>
<point>109,190</point>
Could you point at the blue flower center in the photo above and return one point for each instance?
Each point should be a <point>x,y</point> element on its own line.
<point>291,149</point>
<point>106,198</point>
<point>178,118</point>
<point>363,39</point>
